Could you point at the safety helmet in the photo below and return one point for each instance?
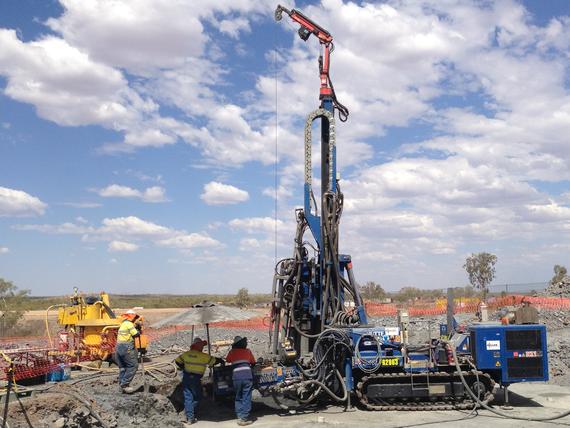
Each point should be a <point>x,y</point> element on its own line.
<point>198,343</point>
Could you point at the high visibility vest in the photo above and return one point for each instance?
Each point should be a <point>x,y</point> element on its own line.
<point>126,332</point>
<point>195,361</point>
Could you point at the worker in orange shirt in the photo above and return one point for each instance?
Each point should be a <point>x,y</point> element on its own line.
<point>242,360</point>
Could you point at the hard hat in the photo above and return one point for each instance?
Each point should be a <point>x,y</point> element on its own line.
<point>198,340</point>
<point>131,312</point>
<point>198,343</point>
<point>239,340</point>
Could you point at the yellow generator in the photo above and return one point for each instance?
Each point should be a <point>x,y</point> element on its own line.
<point>89,327</point>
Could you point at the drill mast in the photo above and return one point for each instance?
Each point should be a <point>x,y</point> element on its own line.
<point>309,293</point>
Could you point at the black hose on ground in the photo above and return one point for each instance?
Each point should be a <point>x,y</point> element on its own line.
<point>497,412</point>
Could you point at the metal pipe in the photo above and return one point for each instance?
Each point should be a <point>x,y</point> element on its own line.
<point>208,338</point>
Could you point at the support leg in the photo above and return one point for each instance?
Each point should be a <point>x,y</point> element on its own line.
<point>506,405</point>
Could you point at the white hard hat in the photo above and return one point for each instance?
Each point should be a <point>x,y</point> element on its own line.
<point>131,312</point>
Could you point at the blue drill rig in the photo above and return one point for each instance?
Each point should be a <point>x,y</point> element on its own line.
<point>321,344</point>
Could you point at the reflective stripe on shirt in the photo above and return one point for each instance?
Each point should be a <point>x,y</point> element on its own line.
<point>241,359</point>
<point>126,332</point>
<point>195,361</point>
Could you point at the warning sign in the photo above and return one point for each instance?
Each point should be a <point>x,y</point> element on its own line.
<point>493,345</point>
<point>498,364</point>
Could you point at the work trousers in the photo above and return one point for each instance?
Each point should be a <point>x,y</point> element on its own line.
<point>243,389</point>
<point>126,357</point>
<point>192,393</point>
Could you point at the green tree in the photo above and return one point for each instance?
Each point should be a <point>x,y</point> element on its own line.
<point>372,291</point>
<point>242,298</point>
<point>12,305</point>
<point>408,293</point>
<point>559,273</point>
<point>480,268</point>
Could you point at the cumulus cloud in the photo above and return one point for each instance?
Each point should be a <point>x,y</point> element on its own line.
<point>193,240</point>
<point>65,85</point>
<point>216,193</point>
<point>122,231</point>
<point>81,204</point>
<point>78,75</point>
<point>17,203</point>
<point>154,194</point>
<point>255,224</point>
<point>120,246</point>
<point>4,250</point>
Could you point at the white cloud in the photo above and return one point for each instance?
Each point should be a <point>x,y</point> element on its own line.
<point>118,191</point>
<point>57,229</point>
<point>65,85</point>
<point>193,240</point>
<point>216,193</point>
<point>121,231</point>
<point>256,224</point>
<point>78,76</point>
<point>4,250</point>
<point>17,203</point>
<point>257,247</point>
<point>121,246</point>
<point>132,226</point>
<point>147,35</point>
<point>81,204</point>
<point>155,194</point>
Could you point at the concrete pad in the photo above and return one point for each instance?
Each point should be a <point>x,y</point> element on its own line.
<point>529,400</point>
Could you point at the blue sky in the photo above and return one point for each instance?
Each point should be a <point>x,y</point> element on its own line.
<point>137,140</point>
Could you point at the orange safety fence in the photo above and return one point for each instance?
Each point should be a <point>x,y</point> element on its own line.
<point>256,323</point>
<point>422,309</point>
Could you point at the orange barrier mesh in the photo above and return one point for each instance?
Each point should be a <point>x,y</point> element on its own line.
<point>391,309</point>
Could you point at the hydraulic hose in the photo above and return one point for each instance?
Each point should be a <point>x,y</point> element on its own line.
<point>322,386</point>
<point>47,321</point>
<point>492,410</point>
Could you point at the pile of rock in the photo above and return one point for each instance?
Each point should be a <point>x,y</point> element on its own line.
<point>560,288</point>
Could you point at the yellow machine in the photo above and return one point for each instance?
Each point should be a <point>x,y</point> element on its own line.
<point>89,327</point>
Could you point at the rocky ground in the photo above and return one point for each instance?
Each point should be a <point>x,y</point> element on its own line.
<point>559,288</point>
<point>87,399</point>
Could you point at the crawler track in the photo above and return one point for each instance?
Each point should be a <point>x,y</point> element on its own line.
<point>417,404</point>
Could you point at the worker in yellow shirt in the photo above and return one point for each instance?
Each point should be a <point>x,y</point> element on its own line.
<point>193,364</point>
<point>126,354</point>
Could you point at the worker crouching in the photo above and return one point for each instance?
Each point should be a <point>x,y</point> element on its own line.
<point>126,354</point>
<point>193,364</point>
<point>241,360</point>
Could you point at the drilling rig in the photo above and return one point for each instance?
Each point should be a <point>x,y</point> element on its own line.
<point>321,344</point>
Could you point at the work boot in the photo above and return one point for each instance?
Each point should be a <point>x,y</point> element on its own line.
<point>189,422</point>
<point>128,390</point>
<point>244,422</point>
